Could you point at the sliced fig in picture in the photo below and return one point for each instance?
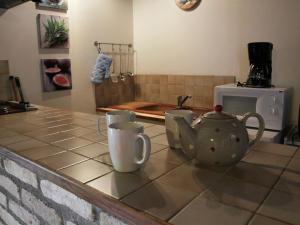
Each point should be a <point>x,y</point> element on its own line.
<point>50,63</point>
<point>61,80</point>
<point>64,65</point>
<point>53,70</point>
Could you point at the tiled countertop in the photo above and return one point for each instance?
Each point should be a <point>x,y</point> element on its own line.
<point>262,189</point>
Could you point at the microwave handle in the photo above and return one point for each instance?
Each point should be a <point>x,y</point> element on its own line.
<point>261,126</point>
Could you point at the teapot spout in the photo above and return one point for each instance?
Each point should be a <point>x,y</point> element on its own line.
<point>187,136</point>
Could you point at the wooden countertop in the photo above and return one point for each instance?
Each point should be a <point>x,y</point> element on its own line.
<point>149,110</point>
<point>170,188</point>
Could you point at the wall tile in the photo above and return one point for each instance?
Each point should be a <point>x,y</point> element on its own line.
<point>163,79</point>
<point>171,79</point>
<point>166,88</point>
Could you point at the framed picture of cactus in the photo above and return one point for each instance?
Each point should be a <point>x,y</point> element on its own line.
<point>53,31</point>
<point>54,4</point>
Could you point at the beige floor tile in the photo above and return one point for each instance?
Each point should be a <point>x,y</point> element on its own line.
<point>267,159</point>
<point>79,131</point>
<point>13,139</point>
<point>289,182</point>
<point>87,170</point>
<point>40,132</point>
<point>157,147</point>
<point>273,148</point>
<point>104,142</point>
<point>22,127</point>
<point>160,139</point>
<point>257,174</point>
<point>62,160</point>
<point>84,122</point>
<point>105,158</point>
<point>41,152</point>
<point>297,155</point>
<point>155,130</point>
<point>95,136</point>
<point>27,144</point>
<point>203,211</point>
<point>117,184</point>
<point>171,156</point>
<point>294,165</point>
<point>7,133</point>
<point>262,220</point>
<point>282,206</point>
<point>62,128</point>
<point>237,193</point>
<point>155,168</point>
<point>50,138</point>
<point>188,177</point>
<point>58,122</point>
<point>159,200</point>
<point>92,150</point>
<point>72,143</point>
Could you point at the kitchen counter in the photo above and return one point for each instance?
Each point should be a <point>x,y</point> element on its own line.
<point>264,188</point>
<point>150,110</point>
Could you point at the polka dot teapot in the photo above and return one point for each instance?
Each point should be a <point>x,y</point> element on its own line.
<point>219,139</point>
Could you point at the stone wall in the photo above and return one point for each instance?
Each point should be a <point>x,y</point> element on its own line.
<point>34,198</point>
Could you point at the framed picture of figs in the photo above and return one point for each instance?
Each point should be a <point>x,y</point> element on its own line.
<point>54,4</point>
<point>53,31</point>
<point>56,74</point>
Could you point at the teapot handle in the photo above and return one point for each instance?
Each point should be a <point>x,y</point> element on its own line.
<point>260,128</point>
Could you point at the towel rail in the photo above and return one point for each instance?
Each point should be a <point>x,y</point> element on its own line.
<point>98,45</point>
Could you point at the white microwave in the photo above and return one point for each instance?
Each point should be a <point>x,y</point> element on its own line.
<point>270,103</point>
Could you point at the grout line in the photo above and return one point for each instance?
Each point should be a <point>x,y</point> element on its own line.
<point>201,193</point>
<point>59,169</point>
<point>89,181</point>
<point>150,181</point>
<point>270,191</point>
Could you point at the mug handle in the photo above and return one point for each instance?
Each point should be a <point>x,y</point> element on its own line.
<point>132,116</point>
<point>261,127</point>
<point>146,148</point>
<point>99,128</point>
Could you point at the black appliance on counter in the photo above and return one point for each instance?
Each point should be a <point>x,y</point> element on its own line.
<point>260,71</point>
<point>8,107</point>
<point>17,104</point>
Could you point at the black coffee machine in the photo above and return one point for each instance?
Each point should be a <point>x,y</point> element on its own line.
<point>260,71</point>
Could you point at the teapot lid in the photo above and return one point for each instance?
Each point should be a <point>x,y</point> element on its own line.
<point>218,114</point>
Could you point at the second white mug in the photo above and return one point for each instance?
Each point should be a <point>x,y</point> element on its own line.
<point>117,116</point>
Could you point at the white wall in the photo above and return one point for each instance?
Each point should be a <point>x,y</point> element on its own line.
<point>212,39</point>
<point>102,20</point>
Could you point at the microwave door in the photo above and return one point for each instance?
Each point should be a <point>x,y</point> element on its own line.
<point>239,105</point>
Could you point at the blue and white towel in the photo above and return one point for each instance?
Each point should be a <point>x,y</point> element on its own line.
<point>101,69</point>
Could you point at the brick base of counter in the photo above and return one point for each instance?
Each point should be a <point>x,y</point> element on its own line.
<point>30,196</point>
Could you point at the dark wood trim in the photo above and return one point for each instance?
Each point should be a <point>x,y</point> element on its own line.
<point>91,195</point>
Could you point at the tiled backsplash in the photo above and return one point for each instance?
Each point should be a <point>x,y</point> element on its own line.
<point>166,88</point>
<point>109,93</point>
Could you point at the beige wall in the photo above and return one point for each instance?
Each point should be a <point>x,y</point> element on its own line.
<point>102,20</point>
<point>211,40</point>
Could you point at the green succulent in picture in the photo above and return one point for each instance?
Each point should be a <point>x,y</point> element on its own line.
<point>56,32</point>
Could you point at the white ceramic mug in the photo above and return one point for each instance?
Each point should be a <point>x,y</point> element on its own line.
<point>172,129</point>
<point>129,147</point>
<point>116,117</point>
